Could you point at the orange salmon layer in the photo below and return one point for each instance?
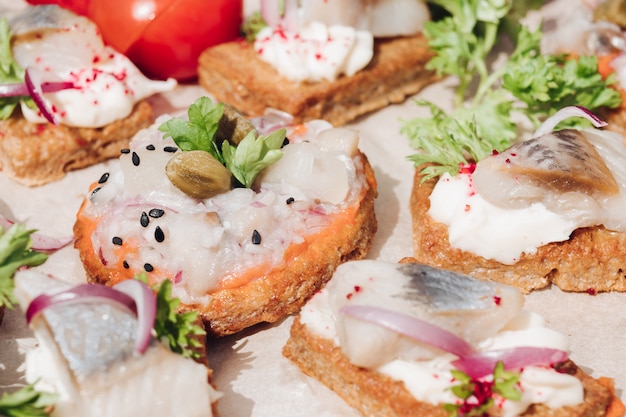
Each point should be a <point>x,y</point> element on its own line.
<point>262,293</point>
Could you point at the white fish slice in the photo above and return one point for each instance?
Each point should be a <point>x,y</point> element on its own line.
<point>560,162</point>
<point>86,355</point>
<point>471,309</point>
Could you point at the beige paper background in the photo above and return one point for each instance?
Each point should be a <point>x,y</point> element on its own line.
<point>249,368</point>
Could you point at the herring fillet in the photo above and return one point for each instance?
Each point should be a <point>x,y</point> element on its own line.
<point>86,354</point>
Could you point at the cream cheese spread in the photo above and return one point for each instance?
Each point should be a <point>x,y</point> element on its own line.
<point>103,93</point>
<point>317,52</point>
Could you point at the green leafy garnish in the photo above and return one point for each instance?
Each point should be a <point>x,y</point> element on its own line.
<point>15,252</point>
<point>27,402</point>
<point>529,84</point>
<point>252,155</point>
<point>245,161</point>
<point>10,71</point>
<point>178,330</point>
<point>478,394</point>
<point>252,26</point>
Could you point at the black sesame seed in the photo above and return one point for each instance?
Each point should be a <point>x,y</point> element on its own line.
<point>285,143</point>
<point>125,150</point>
<point>126,266</point>
<point>136,160</point>
<point>104,178</point>
<point>117,240</point>
<point>147,267</point>
<point>170,149</point>
<point>150,147</point>
<point>159,235</point>
<point>144,220</point>
<point>256,237</point>
<point>95,190</point>
<point>290,200</point>
<point>155,213</point>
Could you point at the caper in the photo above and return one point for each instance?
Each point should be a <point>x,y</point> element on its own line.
<point>233,126</point>
<point>198,174</point>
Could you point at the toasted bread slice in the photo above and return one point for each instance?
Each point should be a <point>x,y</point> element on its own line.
<point>591,260</point>
<point>36,154</point>
<point>233,73</point>
<point>375,394</point>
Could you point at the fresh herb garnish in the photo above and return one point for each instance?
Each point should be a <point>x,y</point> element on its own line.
<point>27,402</point>
<point>529,83</point>
<point>10,71</point>
<point>478,394</point>
<point>245,161</point>
<point>252,26</point>
<point>15,252</point>
<point>178,330</point>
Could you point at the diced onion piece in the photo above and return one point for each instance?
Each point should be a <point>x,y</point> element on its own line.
<point>83,293</point>
<point>483,363</point>
<point>272,120</point>
<point>565,113</point>
<point>411,327</point>
<point>146,303</point>
<point>33,84</point>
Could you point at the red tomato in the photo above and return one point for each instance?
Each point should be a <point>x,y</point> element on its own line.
<point>164,38</point>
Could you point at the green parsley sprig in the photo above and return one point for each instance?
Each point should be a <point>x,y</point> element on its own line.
<point>27,402</point>
<point>15,252</point>
<point>477,395</point>
<point>245,161</point>
<point>179,331</point>
<point>530,84</point>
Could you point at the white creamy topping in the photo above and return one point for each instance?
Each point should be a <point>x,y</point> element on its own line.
<point>104,93</point>
<point>317,52</point>
<point>479,227</point>
<point>429,380</point>
<point>476,226</point>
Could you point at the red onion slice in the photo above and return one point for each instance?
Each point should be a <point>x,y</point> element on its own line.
<point>411,327</point>
<point>20,89</point>
<point>41,243</point>
<point>146,303</point>
<point>565,113</point>
<point>483,363</point>
<point>83,293</point>
<point>33,84</point>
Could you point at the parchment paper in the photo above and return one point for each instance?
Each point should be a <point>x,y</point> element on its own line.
<point>249,368</point>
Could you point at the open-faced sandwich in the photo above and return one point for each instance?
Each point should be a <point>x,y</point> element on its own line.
<point>546,210</point>
<point>491,204</point>
<point>110,352</point>
<point>246,222</point>
<point>67,101</point>
<point>411,340</point>
<point>333,60</point>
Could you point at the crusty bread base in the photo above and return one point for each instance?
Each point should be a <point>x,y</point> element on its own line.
<point>234,74</point>
<point>591,260</point>
<point>283,290</point>
<point>375,394</point>
<point>36,154</point>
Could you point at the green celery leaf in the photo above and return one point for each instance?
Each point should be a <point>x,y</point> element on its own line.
<point>199,132</point>
<point>252,155</point>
